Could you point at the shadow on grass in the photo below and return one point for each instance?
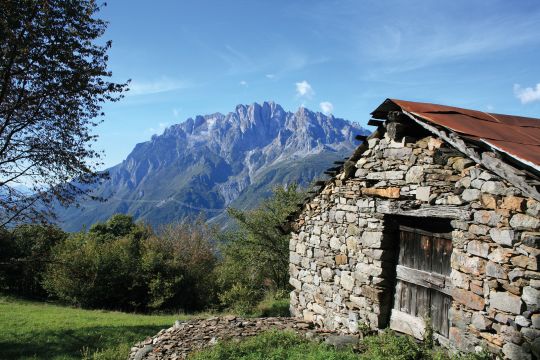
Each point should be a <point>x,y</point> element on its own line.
<point>68,344</point>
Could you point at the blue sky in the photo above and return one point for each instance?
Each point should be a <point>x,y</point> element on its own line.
<point>194,57</point>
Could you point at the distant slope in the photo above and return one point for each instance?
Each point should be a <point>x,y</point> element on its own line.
<point>211,162</point>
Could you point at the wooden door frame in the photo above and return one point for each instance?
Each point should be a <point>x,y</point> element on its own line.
<point>438,226</point>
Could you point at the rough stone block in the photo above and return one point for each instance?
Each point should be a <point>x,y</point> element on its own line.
<point>415,175</point>
<point>296,283</point>
<point>487,217</point>
<point>359,301</point>
<point>341,259</point>
<point>515,352</point>
<point>478,248</point>
<point>468,298</point>
<point>503,237</point>
<point>525,262</point>
<point>391,192</point>
<point>535,321</point>
<point>524,222</point>
<point>372,239</point>
<point>347,281</point>
<point>423,193</point>
<point>327,274</point>
<point>470,194</point>
<point>460,279</point>
<point>480,322</point>
<point>506,302</point>
<point>514,203</point>
<point>500,255</point>
<point>318,309</point>
<point>531,297</point>
<point>533,207</point>
<point>495,270</point>
<point>531,239</point>
<point>294,258</point>
<point>494,187</point>
<point>398,154</point>
<point>488,201</point>
<point>462,339</point>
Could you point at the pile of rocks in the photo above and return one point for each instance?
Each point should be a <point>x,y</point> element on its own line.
<point>187,336</point>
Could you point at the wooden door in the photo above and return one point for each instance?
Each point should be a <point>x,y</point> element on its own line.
<point>423,283</point>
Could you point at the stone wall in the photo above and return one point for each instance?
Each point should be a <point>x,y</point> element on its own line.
<point>342,253</point>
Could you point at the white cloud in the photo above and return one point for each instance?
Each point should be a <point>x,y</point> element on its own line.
<point>244,83</point>
<point>176,112</point>
<point>270,76</point>
<point>326,107</point>
<point>304,89</point>
<point>155,86</point>
<point>528,94</point>
<point>159,129</point>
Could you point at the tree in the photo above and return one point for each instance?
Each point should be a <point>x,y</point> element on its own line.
<point>256,256</point>
<point>53,83</point>
<point>26,252</point>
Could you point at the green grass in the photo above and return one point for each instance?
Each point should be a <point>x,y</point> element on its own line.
<point>274,345</point>
<point>35,330</point>
<point>271,307</point>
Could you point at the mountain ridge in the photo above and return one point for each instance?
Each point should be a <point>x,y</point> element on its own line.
<point>206,162</point>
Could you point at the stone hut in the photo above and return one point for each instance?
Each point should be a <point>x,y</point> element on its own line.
<point>433,220</point>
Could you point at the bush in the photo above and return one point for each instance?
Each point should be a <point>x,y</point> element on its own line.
<point>179,266</point>
<point>95,272</point>
<point>123,265</point>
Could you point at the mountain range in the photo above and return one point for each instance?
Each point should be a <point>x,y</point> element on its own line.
<point>208,163</point>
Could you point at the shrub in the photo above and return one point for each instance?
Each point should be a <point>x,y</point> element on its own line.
<point>94,272</point>
<point>123,265</point>
<point>178,266</point>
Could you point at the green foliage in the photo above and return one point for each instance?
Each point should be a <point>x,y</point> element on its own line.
<point>25,252</point>
<point>178,265</point>
<point>255,257</point>
<point>54,82</point>
<point>99,268</point>
<point>120,264</point>
<point>239,298</point>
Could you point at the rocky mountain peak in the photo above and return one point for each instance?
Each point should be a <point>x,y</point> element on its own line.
<point>208,162</point>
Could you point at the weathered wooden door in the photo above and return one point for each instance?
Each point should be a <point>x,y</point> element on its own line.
<point>423,283</point>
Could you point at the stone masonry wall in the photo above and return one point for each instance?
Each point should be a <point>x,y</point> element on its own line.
<point>342,256</point>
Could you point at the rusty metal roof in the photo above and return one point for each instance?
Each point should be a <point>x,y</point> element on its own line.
<point>518,137</point>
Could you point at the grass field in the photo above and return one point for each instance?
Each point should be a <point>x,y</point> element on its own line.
<point>35,330</point>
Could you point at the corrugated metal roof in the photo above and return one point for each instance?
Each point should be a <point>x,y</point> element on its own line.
<point>517,136</point>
